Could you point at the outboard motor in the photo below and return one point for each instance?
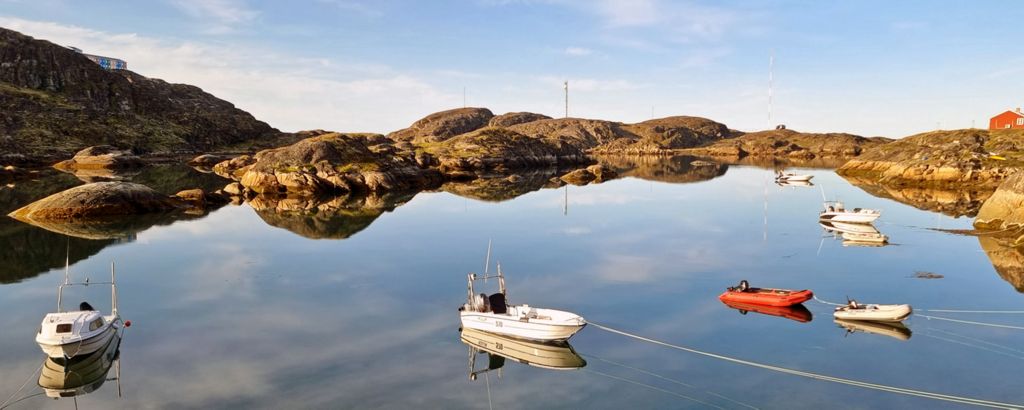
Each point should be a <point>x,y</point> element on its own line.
<point>85,307</point>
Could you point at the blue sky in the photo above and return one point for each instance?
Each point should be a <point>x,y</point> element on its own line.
<point>866,67</point>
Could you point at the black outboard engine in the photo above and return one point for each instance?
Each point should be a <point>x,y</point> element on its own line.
<point>85,307</point>
<point>497,302</point>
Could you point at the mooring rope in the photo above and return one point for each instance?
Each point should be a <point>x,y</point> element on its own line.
<point>971,322</point>
<point>816,376</point>
<point>652,388</point>
<point>4,405</point>
<point>668,379</point>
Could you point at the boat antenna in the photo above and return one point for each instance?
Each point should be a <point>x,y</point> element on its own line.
<point>822,188</point>
<point>113,290</point>
<point>67,263</point>
<point>487,261</point>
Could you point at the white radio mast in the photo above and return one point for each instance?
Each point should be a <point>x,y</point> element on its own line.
<point>566,98</point>
<point>771,79</point>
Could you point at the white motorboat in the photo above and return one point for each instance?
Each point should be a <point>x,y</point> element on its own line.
<point>785,183</point>
<point>546,355</point>
<point>69,334</point>
<point>835,211</point>
<point>872,312</point>
<point>494,314</point>
<point>788,177</point>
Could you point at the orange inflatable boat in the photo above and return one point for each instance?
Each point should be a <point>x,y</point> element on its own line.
<point>765,296</point>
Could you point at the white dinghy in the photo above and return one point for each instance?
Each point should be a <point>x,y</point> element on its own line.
<point>69,334</point>
<point>872,312</point>
<point>494,314</point>
<point>835,211</point>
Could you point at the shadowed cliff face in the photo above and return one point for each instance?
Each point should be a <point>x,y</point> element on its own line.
<point>1007,259</point>
<point>54,101</point>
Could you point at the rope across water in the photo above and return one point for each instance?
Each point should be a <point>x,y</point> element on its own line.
<point>816,376</point>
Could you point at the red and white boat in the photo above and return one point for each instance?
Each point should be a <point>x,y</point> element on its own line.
<point>764,296</point>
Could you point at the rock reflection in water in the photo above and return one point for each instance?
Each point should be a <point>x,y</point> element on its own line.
<point>955,203</point>
<point>553,356</point>
<point>1007,259</point>
<point>326,218</point>
<point>504,188</point>
<point>894,330</point>
<point>797,312</point>
<point>80,375</point>
<point>677,169</point>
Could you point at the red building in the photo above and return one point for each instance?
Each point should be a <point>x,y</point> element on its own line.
<point>1009,119</point>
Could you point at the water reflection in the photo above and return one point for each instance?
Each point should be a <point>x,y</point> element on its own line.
<point>504,188</point>
<point>676,169</point>
<point>1008,260</point>
<point>82,374</point>
<point>545,355</point>
<point>894,330</point>
<point>326,218</point>
<point>796,312</point>
<point>855,234</point>
<point>964,201</point>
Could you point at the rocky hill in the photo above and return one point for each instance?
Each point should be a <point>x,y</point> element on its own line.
<point>790,144</point>
<point>54,102</point>
<point>969,157</point>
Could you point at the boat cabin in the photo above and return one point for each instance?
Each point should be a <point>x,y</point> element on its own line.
<point>72,325</point>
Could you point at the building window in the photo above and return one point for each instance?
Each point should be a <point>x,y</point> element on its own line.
<point>1020,121</point>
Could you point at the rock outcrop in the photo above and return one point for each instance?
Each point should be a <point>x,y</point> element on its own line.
<point>1005,208</point>
<point>331,164</point>
<point>1007,259</point>
<point>102,157</point>
<point>949,159</point>
<point>595,173</point>
<point>953,202</point>
<point>96,200</point>
<point>55,101</point>
<point>442,125</point>
<point>786,143</point>
<point>500,150</point>
<point>676,170</point>
<point>515,118</point>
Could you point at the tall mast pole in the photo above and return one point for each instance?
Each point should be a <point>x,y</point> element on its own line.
<point>771,79</point>
<point>566,98</point>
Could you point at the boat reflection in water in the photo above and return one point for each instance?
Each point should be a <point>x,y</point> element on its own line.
<point>855,234</point>
<point>894,330</point>
<point>795,312</point>
<point>545,355</point>
<point>82,374</point>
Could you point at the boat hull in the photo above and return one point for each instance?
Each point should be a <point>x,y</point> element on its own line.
<point>796,178</point>
<point>516,327</point>
<point>555,355</point>
<point>797,312</point>
<point>875,313</point>
<point>849,217</point>
<point>81,375</point>
<point>80,347</point>
<point>894,330</point>
<point>767,297</point>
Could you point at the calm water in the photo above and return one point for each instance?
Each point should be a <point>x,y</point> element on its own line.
<point>229,311</point>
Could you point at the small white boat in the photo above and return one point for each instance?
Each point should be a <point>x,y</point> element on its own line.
<point>855,234</point>
<point>835,211</point>
<point>872,312</point>
<point>787,177</point>
<point>493,314</point>
<point>69,334</point>
<point>785,183</point>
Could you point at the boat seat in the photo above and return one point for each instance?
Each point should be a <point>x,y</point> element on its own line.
<point>497,302</point>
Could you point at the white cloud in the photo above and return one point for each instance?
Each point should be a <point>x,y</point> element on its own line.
<point>289,92</point>
<point>221,16</point>
<point>578,51</point>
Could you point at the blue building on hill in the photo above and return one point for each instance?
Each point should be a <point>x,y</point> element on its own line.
<point>108,63</point>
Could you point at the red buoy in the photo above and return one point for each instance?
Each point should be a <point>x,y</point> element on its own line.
<point>127,323</point>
